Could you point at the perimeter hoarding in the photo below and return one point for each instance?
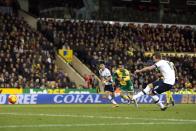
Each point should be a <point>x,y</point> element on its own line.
<point>86,99</point>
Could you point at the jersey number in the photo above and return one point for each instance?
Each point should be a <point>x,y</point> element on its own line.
<point>171,65</point>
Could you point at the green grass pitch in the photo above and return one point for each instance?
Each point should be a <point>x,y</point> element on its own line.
<point>97,117</point>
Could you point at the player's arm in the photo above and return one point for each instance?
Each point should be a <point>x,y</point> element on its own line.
<point>115,76</point>
<point>101,77</point>
<point>127,77</point>
<point>108,79</point>
<point>105,79</point>
<point>175,70</point>
<point>148,68</point>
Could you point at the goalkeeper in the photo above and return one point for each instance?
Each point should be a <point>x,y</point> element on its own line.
<point>123,81</point>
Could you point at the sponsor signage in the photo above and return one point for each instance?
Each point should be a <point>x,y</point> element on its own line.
<point>86,99</point>
<point>59,91</point>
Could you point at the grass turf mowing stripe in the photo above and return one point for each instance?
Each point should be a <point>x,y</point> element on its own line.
<point>90,125</point>
<point>101,117</point>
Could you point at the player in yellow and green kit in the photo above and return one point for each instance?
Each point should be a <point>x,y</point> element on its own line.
<point>169,98</point>
<point>123,81</point>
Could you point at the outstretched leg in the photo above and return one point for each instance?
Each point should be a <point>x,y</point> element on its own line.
<point>145,91</point>
<point>158,102</point>
<point>110,97</point>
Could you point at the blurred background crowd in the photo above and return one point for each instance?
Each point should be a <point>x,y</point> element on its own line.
<point>94,42</point>
<point>27,55</point>
<point>27,59</point>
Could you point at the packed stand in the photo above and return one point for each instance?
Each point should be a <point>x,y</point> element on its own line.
<point>94,42</point>
<point>27,59</point>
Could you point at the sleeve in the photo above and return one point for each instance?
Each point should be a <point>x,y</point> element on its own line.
<point>108,73</point>
<point>158,64</point>
<point>99,72</point>
<point>115,74</point>
<point>127,76</point>
<point>171,63</point>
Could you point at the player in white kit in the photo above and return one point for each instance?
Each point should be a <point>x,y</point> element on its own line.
<point>108,83</point>
<point>160,86</point>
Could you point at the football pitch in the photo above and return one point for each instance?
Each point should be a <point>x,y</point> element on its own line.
<point>97,117</point>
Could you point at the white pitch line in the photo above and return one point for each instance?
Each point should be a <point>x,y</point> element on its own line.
<point>88,125</point>
<point>101,117</point>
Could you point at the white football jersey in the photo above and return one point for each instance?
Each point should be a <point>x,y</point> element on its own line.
<point>105,74</point>
<point>167,70</point>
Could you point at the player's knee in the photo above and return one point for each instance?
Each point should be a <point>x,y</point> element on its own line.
<point>148,89</point>
<point>144,92</point>
<point>153,92</point>
<point>150,85</point>
<point>108,93</point>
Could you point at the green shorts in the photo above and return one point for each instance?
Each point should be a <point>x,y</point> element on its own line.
<point>128,87</point>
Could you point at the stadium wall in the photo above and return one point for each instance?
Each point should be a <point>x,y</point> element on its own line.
<point>83,69</point>
<point>124,23</point>
<point>32,21</point>
<point>87,99</point>
<point>74,76</point>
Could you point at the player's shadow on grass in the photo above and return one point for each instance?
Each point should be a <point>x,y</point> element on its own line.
<point>150,110</point>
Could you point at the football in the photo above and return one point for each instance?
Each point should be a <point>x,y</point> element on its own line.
<point>12,99</point>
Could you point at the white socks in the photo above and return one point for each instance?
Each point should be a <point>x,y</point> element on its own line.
<point>146,90</point>
<point>156,99</point>
<point>111,99</point>
<point>138,95</point>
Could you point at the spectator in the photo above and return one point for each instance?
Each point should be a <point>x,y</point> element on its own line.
<point>112,43</point>
<point>27,59</point>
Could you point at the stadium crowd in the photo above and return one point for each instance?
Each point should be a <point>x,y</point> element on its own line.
<point>27,59</point>
<point>27,56</point>
<point>94,42</point>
